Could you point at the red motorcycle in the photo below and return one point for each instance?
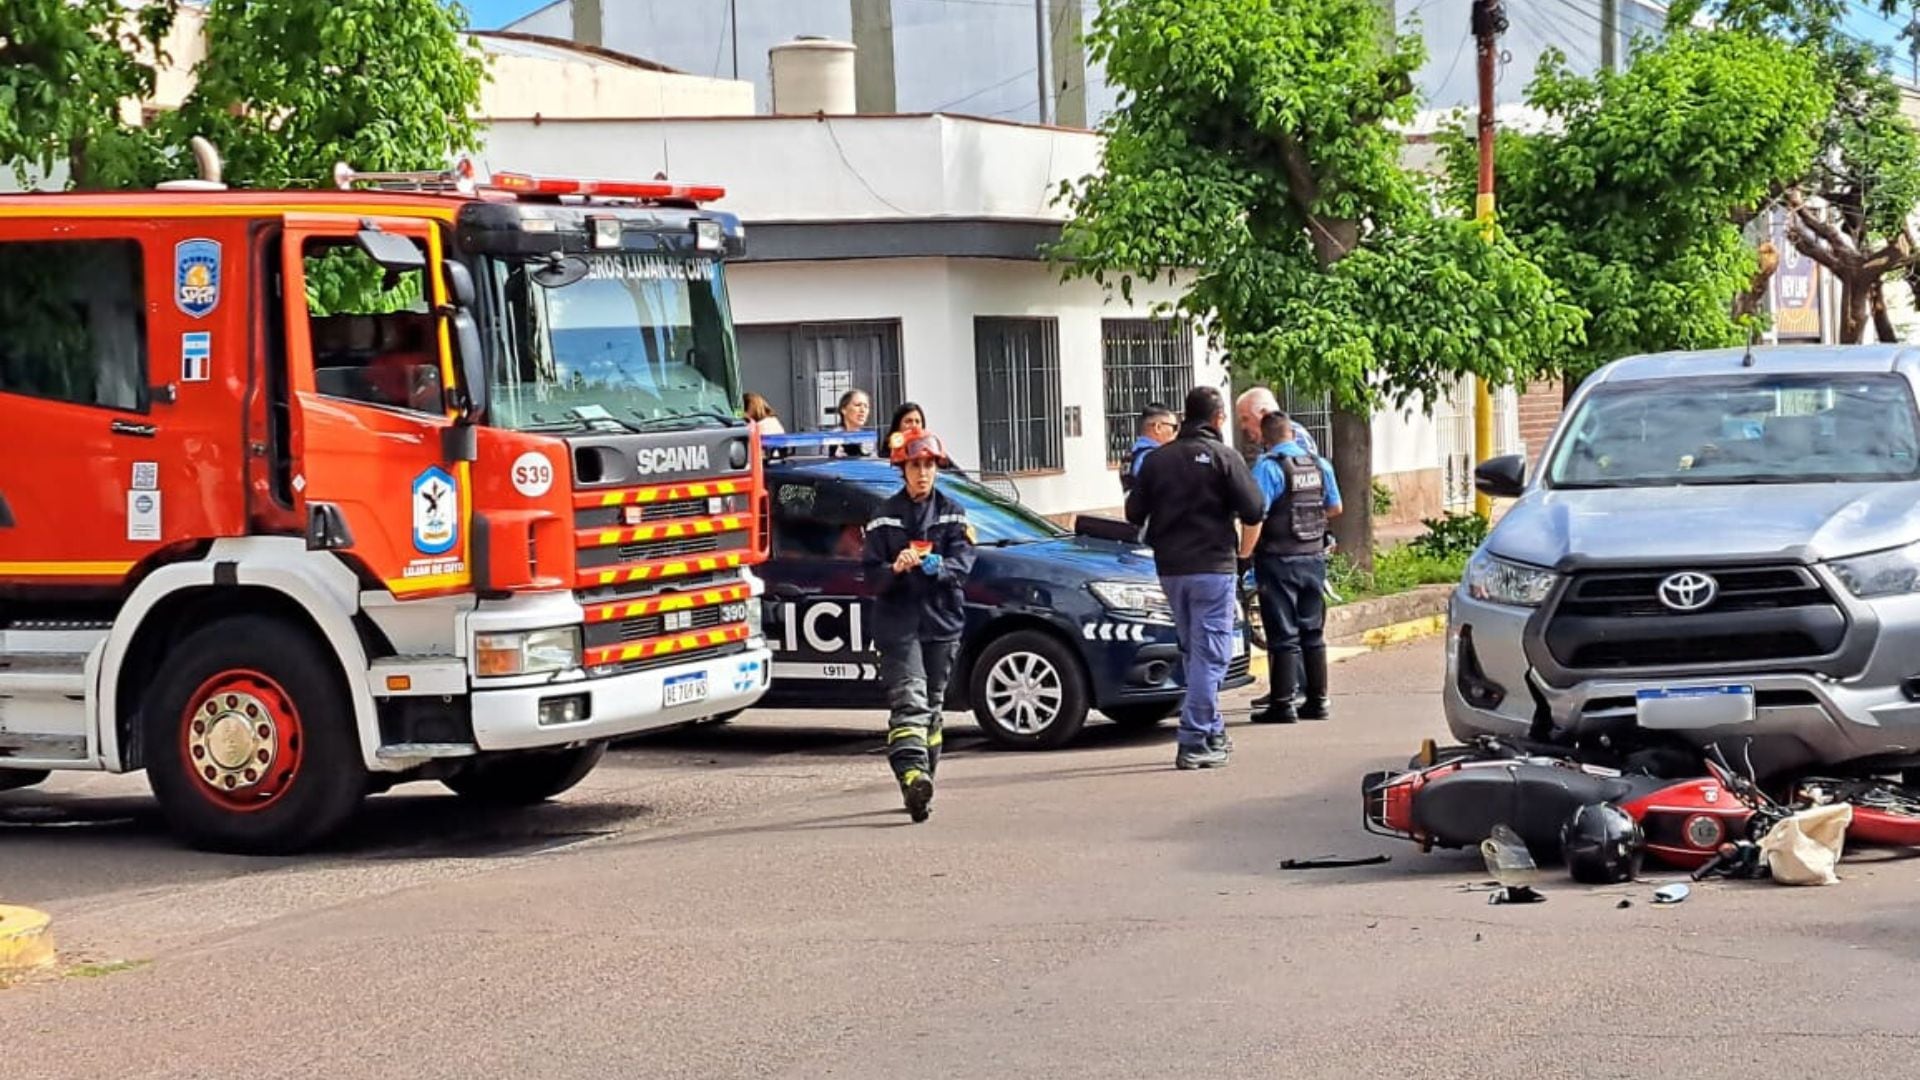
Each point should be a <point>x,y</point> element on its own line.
<point>1453,798</point>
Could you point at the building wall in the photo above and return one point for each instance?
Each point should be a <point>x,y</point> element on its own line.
<point>581,87</point>
<point>936,301</point>
<point>1539,412</point>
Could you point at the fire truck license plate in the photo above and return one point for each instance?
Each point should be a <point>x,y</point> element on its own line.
<point>685,690</point>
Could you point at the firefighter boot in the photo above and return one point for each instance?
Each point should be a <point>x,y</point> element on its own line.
<point>916,787</point>
<point>1317,706</point>
<point>1285,676</point>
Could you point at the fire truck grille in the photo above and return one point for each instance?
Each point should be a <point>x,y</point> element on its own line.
<point>669,549</point>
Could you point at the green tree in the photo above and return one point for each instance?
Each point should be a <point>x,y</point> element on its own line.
<point>66,68</point>
<point>1633,191</point>
<point>288,89</point>
<point>1253,161</point>
<point>1852,204</point>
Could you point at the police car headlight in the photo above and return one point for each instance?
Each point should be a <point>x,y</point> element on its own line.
<point>1883,573</point>
<point>526,652</point>
<point>1498,581</point>
<point>1138,598</point>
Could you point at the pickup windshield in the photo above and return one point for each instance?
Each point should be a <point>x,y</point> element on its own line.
<point>1759,429</point>
<point>644,341</point>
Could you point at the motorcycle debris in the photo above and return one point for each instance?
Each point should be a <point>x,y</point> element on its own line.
<point>1672,894</point>
<point>1516,894</point>
<point>1624,904</point>
<point>1334,862</point>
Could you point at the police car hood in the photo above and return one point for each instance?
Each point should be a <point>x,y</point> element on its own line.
<point>1707,523</point>
<point>1083,557</point>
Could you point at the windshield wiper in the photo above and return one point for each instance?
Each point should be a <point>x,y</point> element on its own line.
<point>697,416</point>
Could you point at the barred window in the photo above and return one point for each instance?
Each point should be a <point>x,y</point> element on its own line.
<point>1017,362</point>
<point>1142,360</point>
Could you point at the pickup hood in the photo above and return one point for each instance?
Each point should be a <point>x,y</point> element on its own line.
<point>1801,522</point>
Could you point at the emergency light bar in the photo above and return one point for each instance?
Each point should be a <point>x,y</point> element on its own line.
<point>817,443</point>
<point>527,184</point>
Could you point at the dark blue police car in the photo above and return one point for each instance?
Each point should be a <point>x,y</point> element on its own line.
<point>1057,624</point>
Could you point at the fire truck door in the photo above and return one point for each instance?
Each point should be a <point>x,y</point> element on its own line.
<point>370,371</point>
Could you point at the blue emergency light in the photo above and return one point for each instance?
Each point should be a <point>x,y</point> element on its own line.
<point>817,443</point>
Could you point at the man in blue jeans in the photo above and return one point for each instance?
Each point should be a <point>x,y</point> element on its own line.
<point>1194,495</point>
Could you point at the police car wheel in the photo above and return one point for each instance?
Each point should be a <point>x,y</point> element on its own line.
<point>1028,691</point>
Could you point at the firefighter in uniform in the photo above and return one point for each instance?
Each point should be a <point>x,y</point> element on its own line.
<point>1290,567</point>
<point>919,549</point>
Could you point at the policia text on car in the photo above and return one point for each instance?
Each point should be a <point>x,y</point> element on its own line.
<point>921,547</point>
<point>1290,566</point>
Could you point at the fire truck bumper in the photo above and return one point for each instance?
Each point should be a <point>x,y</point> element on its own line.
<point>532,717</point>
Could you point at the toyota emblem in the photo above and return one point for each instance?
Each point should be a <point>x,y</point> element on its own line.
<point>1688,590</point>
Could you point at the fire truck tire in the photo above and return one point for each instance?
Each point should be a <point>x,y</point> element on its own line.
<point>250,741</point>
<point>15,779</point>
<point>527,777</point>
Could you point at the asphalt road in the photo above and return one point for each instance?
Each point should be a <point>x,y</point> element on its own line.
<point>748,901</point>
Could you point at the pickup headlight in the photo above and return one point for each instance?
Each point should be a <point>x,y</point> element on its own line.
<point>1498,581</point>
<point>526,652</point>
<point>1143,599</point>
<point>1883,573</point>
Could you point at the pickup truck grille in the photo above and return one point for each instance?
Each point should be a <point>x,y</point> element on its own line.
<point>1607,620</point>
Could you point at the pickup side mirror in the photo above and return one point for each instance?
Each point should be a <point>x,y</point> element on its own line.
<point>473,364</point>
<point>1501,477</point>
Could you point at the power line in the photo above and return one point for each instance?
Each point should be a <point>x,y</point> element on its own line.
<point>987,89</point>
<point>857,175</point>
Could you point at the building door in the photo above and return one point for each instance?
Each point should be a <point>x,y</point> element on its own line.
<point>812,364</point>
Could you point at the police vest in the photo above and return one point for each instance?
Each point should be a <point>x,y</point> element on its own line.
<point>1297,521</point>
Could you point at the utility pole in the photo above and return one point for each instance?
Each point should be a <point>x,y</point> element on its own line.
<point>733,24</point>
<point>1609,35</point>
<point>1489,22</point>
<point>1041,46</point>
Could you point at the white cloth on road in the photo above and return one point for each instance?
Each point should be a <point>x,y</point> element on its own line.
<point>1803,849</point>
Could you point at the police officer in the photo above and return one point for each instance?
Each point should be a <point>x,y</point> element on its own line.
<point>919,549</point>
<point>1290,566</point>
<point>1157,428</point>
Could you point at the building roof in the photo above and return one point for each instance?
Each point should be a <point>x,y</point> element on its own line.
<point>541,47</point>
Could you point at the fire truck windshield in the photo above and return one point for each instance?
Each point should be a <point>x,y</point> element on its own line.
<point>643,340</point>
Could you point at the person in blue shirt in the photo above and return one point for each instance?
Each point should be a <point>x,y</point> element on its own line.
<point>1157,428</point>
<point>1290,567</point>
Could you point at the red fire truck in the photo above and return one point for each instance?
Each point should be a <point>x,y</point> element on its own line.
<point>306,494</point>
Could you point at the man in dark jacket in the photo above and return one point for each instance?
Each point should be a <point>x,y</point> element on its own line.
<point>1193,495</point>
<point>919,549</point>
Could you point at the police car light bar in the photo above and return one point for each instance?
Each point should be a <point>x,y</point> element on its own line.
<point>526,184</point>
<point>817,443</point>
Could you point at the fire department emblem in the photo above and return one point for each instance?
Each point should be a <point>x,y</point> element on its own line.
<point>196,276</point>
<point>436,512</point>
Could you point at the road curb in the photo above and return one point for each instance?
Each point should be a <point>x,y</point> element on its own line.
<point>1401,633</point>
<point>26,940</point>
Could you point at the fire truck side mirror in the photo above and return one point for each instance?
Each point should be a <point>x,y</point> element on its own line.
<point>473,366</point>
<point>459,284</point>
<point>392,252</point>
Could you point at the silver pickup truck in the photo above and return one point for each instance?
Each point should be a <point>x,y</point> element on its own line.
<point>1718,548</point>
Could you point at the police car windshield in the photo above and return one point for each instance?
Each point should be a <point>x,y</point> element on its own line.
<point>1759,429</point>
<point>643,339</point>
<point>995,518</point>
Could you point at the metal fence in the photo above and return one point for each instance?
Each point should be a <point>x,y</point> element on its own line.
<point>1017,362</point>
<point>1142,361</point>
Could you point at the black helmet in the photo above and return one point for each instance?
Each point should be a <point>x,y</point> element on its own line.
<point>1602,844</point>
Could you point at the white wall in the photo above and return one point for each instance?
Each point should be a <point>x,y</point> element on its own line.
<point>937,301</point>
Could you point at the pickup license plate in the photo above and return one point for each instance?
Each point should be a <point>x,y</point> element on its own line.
<point>685,689</point>
<point>1684,707</point>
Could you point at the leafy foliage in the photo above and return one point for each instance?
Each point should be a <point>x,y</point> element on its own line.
<point>1633,193</point>
<point>288,89</point>
<point>65,68</point>
<point>1253,155</point>
<point>1452,536</point>
<point>1854,197</point>
<point>1382,499</point>
<point>1393,570</point>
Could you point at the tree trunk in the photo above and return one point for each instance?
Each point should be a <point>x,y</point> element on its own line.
<point>1882,318</point>
<point>1854,310</point>
<point>1352,452</point>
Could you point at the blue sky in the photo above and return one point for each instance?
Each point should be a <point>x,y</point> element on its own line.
<point>493,14</point>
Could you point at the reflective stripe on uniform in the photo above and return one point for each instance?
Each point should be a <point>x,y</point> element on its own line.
<point>896,734</point>
<point>879,523</point>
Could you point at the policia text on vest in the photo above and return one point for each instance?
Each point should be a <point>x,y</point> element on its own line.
<point>1290,568</point>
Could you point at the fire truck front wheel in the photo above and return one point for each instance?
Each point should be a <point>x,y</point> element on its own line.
<point>525,777</point>
<point>250,742</point>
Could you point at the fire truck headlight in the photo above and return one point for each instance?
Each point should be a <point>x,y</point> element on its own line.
<point>526,652</point>
<point>707,236</point>
<point>606,232</point>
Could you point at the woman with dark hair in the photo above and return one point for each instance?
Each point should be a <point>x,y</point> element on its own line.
<point>908,418</point>
<point>854,409</point>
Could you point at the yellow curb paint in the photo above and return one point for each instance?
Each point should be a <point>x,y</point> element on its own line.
<point>1402,632</point>
<point>26,939</point>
